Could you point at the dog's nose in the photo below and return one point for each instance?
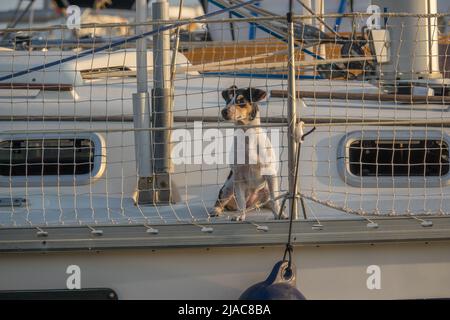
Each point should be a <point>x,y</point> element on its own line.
<point>225,114</point>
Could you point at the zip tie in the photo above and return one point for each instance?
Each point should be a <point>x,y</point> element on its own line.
<point>203,228</point>
<point>41,233</point>
<point>259,227</point>
<point>207,229</point>
<point>299,134</point>
<point>317,226</point>
<point>371,224</point>
<point>151,230</point>
<point>424,223</point>
<point>95,232</point>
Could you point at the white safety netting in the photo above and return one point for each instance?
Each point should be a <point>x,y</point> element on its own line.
<point>378,100</point>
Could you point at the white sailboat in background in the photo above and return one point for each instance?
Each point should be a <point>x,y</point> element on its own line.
<point>374,175</point>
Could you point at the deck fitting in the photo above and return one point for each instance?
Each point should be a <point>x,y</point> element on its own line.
<point>372,225</point>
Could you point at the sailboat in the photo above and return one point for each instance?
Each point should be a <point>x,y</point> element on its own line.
<point>373,176</point>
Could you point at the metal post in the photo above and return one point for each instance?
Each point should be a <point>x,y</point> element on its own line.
<point>292,116</point>
<point>307,3</point>
<point>413,44</point>
<point>141,113</point>
<point>319,9</point>
<point>162,106</point>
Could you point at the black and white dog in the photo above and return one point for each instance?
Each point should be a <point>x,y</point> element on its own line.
<point>252,183</point>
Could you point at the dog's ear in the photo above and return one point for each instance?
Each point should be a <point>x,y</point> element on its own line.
<point>254,112</point>
<point>255,95</point>
<point>227,94</point>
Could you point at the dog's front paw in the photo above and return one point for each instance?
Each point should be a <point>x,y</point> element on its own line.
<point>215,212</point>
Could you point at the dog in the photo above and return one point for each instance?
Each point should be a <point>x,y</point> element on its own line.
<point>251,184</point>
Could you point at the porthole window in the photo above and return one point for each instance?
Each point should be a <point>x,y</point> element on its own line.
<point>51,159</point>
<point>394,158</point>
<point>403,158</point>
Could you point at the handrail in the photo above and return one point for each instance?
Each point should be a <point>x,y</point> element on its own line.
<point>37,86</point>
<point>406,98</point>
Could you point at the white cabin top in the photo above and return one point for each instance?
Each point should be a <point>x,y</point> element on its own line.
<point>69,73</point>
